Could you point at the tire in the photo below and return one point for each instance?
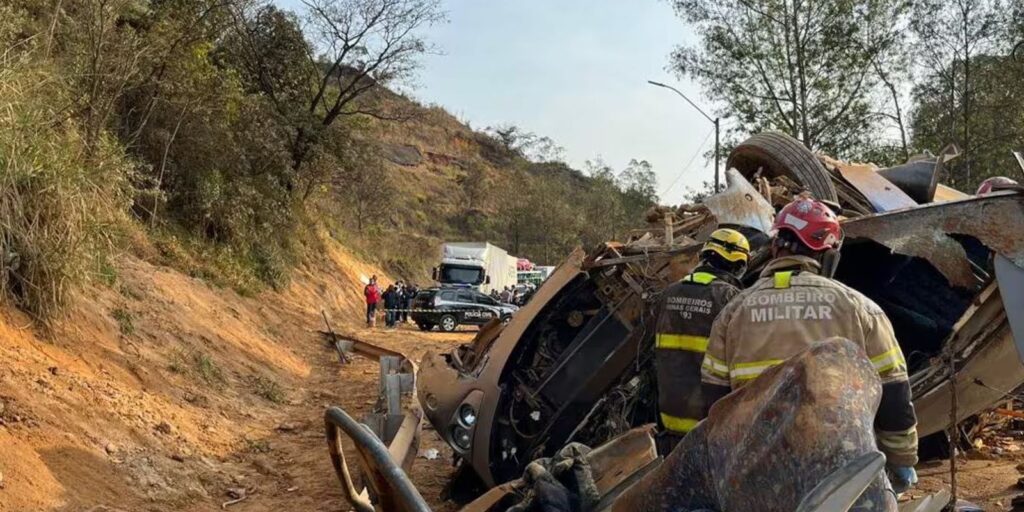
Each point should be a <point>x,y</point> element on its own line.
<point>506,319</point>
<point>424,326</point>
<point>448,323</point>
<point>782,155</point>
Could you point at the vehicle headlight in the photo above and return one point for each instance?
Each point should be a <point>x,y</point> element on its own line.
<point>460,437</point>
<point>467,415</point>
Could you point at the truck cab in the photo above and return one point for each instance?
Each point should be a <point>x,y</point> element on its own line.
<point>478,265</point>
<point>461,274</point>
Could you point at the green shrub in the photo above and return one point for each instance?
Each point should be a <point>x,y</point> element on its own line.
<point>207,368</point>
<point>61,201</point>
<point>196,364</point>
<point>267,388</point>
<point>124,321</point>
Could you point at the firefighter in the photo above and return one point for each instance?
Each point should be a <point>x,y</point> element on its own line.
<point>688,309</point>
<point>796,303</point>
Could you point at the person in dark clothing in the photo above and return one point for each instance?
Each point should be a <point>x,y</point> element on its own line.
<point>402,289</point>
<point>410,293</point>
<point>391,303</point>
<point>688,310</point>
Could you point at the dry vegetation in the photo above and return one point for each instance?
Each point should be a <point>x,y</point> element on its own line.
<point>61,201</point>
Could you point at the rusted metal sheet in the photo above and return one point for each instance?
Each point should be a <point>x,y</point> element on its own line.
<point>613,466</point>
<point>880,192</point>
<point>615,461</point>
<point>997,220</point>
<point>741,204</point>
<point>362,347</point>
<point>487,501</point>
<point>992,371</point>
<point>986,360</point>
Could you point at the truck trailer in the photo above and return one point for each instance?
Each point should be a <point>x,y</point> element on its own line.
<point>479,265</point>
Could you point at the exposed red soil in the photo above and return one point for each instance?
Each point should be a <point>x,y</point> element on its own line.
<point>162,393</point>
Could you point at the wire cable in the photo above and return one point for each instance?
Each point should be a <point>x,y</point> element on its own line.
<point>688,164</point>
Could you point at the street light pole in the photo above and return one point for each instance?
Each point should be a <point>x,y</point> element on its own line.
<point>717,188</point>
<point>714,121</point>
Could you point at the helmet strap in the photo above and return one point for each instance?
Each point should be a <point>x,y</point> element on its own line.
<point>829,262</point>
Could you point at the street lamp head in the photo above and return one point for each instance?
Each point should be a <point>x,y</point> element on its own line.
<point>706,116</point>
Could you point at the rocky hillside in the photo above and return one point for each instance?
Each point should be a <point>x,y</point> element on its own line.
<point>445,181</point>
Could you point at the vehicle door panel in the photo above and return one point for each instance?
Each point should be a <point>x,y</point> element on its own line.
<point>469,311</point>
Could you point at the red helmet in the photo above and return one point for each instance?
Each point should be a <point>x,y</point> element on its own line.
<point>812,222</point>
<point>995,183</point>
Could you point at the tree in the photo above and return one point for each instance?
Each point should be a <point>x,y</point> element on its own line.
<point>365,188</point>
<point>894,72</point>
<point>705,190</point>
<point>799,66</point>
<point>477,185</point>
<point>996,121</point>
<point>639,188</point>
<point>638,179</point>
<point>528,145</point>
<point>356,48</point>
<point>952,36</point>
<point>103,57</point>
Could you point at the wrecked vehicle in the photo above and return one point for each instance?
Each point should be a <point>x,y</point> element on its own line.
<point>575,364</point>
<point>802,419</point>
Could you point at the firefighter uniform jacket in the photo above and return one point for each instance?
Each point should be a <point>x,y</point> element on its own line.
<point>688,309</point>
<point>792,307</point>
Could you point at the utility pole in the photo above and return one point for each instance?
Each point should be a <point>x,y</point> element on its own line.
<point>714,121</point>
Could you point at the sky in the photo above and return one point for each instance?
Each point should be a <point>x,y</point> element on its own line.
<point>575,71</point>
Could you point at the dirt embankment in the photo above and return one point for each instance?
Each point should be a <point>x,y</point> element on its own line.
<point>162,393</point>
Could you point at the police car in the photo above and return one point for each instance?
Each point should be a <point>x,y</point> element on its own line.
<point>448,308</point>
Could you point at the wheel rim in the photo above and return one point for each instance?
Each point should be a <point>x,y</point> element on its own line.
<point>448,323</point>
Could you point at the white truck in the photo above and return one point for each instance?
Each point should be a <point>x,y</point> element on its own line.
<point>479,265</point>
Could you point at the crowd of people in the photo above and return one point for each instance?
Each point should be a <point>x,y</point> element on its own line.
<point>516,295</point>
<point>396,300</point>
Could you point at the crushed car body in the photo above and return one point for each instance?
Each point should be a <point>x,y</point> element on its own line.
<point>574,365</point>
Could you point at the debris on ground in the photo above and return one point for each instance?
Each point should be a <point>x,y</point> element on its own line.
<point>237,495</point>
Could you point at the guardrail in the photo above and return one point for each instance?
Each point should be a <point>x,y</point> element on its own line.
<point>386,441</point>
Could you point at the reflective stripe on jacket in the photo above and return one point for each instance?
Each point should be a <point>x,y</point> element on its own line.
<point>792,307</point>
<point>688,310</point>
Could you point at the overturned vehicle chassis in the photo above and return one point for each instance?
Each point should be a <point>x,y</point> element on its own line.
<point>576,365</point>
